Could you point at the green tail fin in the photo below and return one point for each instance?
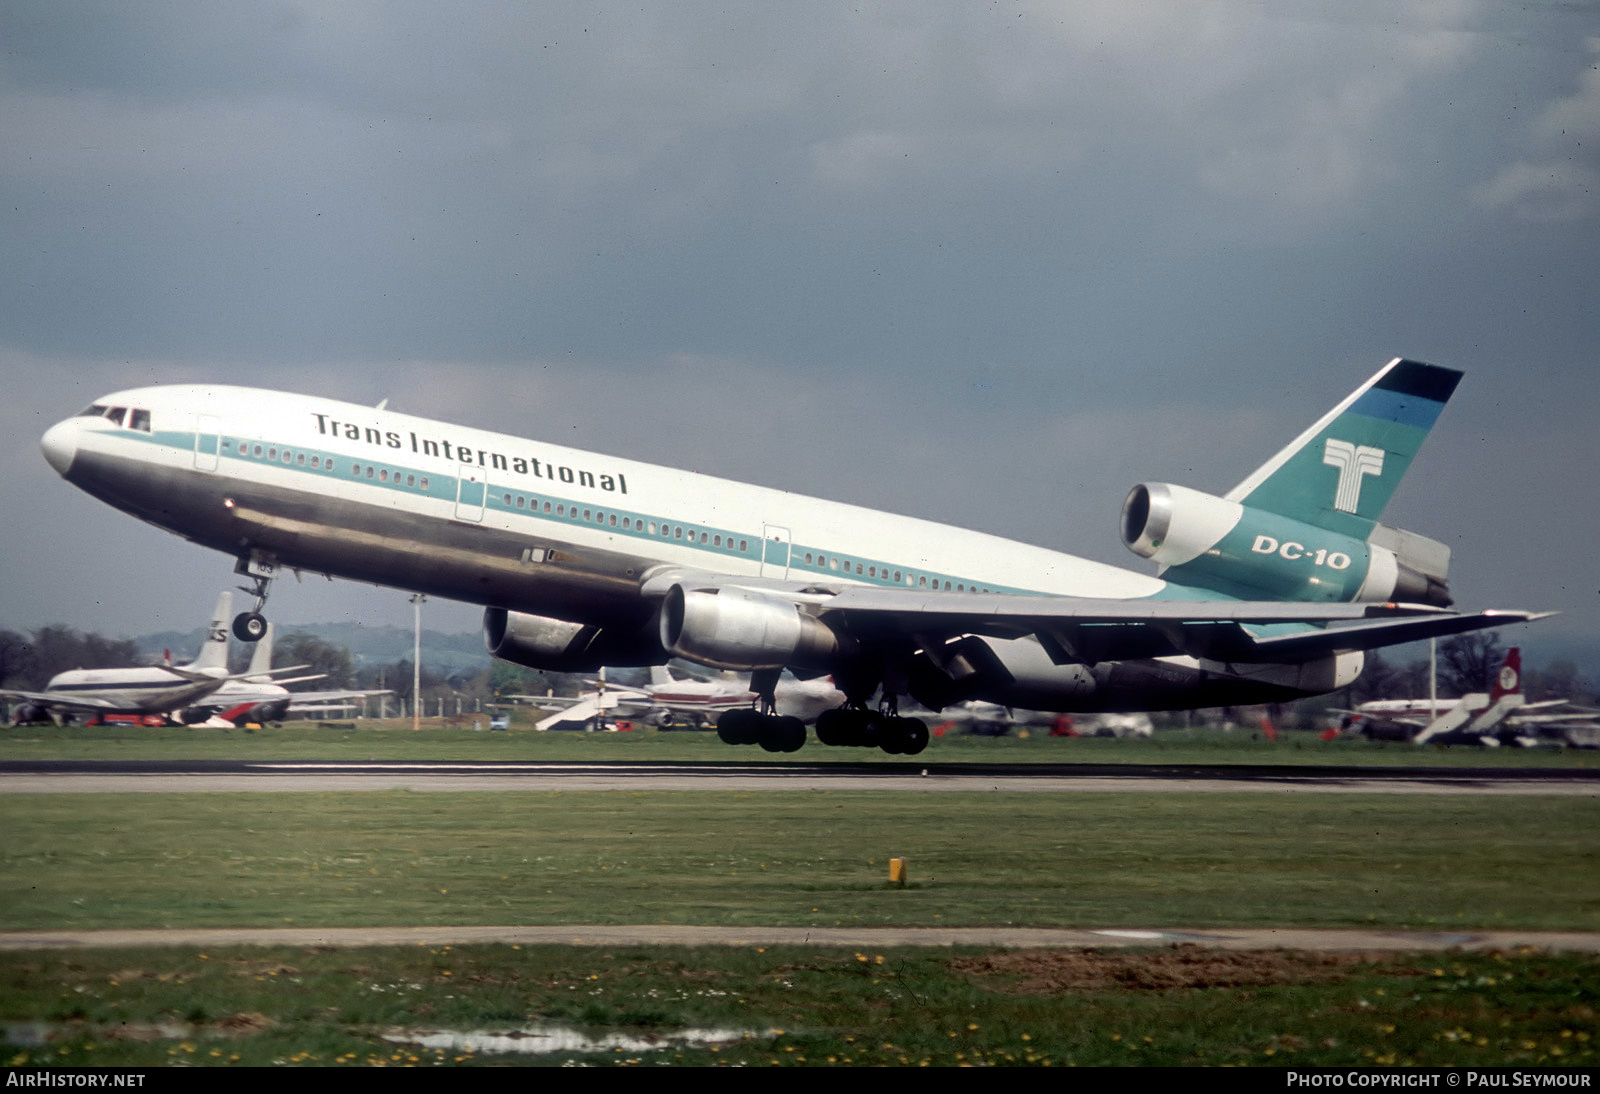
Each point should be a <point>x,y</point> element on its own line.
<point>1341,473</point>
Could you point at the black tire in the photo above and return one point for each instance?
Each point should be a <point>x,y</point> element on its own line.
<point>916,736</point>
<point>249,626</point>
<point>892,735</point>
<point>833,727</point>
<point>791,733</point>
<point>739,727</point>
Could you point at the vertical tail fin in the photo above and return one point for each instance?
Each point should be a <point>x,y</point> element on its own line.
<point>214,651</point>
<point>261,656</point>
<point>1340,473</point>
<point>1508,681</point>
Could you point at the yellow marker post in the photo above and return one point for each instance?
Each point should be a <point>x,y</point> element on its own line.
<point>897,871</point>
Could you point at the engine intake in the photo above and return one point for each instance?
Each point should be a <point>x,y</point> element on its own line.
<point>557,645</point>
<point>741,630</point>
<point>1201,540</point>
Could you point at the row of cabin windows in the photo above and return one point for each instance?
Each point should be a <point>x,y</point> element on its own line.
<point>289,456</point>
<point>121,415</point>
<point>626,523</point>
<point>872,570</point>
<point>521,501</point>
<point>383,474</point>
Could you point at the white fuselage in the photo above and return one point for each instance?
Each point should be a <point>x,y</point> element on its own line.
<point>151,690</point>
<point>332,454</point>
<point>530,527</point>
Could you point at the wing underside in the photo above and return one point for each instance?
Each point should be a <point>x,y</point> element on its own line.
<point>1088,630</point>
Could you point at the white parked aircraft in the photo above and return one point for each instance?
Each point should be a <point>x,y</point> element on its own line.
<point>256,697</point>
<point>1269,593</point>
<point>666,699</point>
<point>1501,715</point>
<point>154,689</point>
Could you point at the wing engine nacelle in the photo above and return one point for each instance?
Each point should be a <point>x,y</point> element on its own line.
<point>540,642</point>
<point>731,628</point>
<point>1199,539</point>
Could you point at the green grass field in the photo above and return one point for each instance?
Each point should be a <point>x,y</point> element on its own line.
<point>789,1006</point>
<point>816,857</point>
<point>1175,859</point>
<point>395,740</point>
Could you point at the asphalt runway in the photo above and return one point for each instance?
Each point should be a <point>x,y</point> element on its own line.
<point>238,776</point>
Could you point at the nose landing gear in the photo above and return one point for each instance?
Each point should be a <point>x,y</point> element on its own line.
<point>260,568</point>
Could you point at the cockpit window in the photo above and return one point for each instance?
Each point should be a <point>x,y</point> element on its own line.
<point>138,419</point>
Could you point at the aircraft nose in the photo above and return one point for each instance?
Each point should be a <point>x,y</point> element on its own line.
<point>60,445</point>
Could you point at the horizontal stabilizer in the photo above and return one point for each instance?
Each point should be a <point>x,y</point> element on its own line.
<point>1377,634</point>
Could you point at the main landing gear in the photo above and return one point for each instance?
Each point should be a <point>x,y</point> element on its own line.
<point>762,724</point>
<point>251,626</point>
<point>858,727</point>
<point>773,732</point>
<point>843,727</point>
<point>850,725</point>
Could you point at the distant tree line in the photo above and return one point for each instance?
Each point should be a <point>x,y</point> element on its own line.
<point>1466,663</point>
<point>28,661</point>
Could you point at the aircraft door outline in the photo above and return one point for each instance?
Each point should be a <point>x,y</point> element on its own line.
<point>207,442</point>
<point>472,493</point>
<point>774,551</point>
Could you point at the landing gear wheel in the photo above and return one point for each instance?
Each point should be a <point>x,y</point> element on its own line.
<point>913,736</point>
<point>739,727</point>
<point>833,727</point>
<point>783,734</point>
<point>249,626</point>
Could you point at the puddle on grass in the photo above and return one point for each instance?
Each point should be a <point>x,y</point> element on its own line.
<point>540,1040</point>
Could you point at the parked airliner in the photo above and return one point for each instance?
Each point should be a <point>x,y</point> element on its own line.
<point>254,696</point>
<point>583,560</point>
<point>153,689</point>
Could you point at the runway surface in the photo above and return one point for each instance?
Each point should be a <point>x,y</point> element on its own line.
<point>1257,938</point>
<point>231,776</point>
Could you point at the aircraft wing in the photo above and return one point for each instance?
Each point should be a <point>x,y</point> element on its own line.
<point>1090,630</point>
<point>298,699</point>
<point>202,677</point>
<point>617,696</point>
<point>58,702</point>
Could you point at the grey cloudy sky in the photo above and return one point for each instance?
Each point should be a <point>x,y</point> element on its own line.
<point>984,263</point>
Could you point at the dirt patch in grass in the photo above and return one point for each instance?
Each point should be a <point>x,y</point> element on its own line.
<point>1047,972</point>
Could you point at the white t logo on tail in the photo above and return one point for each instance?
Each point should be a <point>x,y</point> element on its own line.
<point>1353,462</point>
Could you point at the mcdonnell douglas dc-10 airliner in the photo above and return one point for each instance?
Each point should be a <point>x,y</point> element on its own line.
<point>1269,593</point>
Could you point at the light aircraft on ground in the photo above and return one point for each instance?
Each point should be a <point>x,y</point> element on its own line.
<point>151,690</point>
<point>1269,593</point>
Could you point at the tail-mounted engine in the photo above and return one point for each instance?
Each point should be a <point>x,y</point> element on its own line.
<point>1198,539</point>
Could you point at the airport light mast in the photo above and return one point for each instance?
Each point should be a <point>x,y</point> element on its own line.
<point>416,661</point>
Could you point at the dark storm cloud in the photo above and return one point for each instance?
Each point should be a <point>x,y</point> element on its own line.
<point>1085,243</point>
